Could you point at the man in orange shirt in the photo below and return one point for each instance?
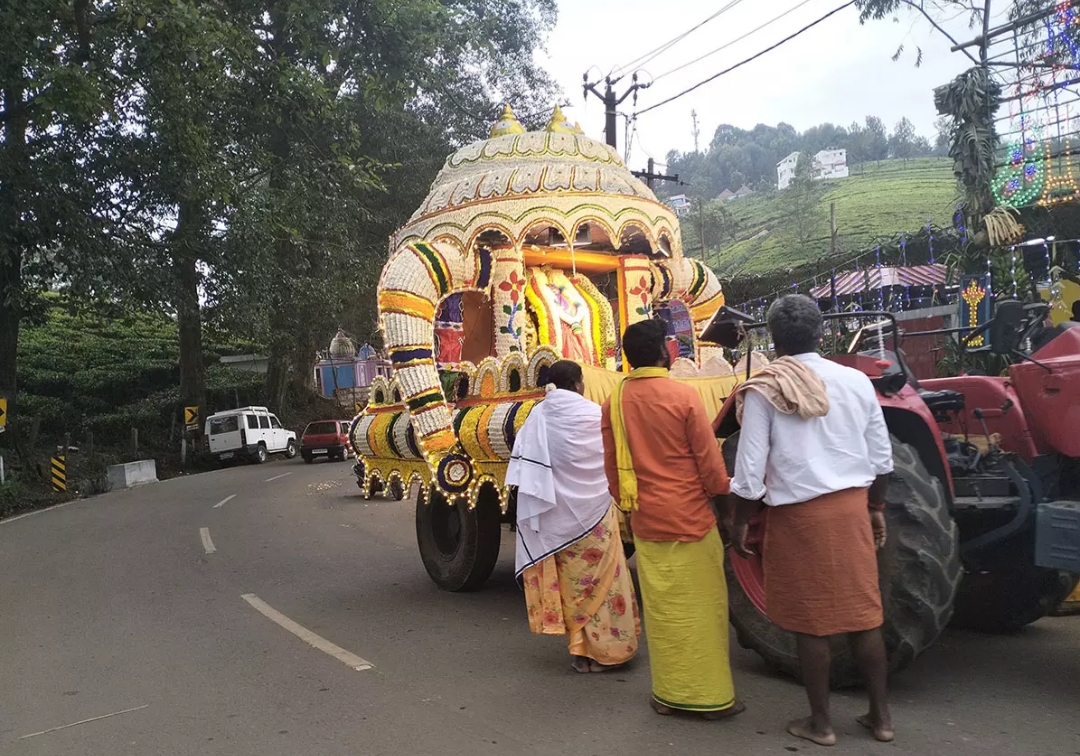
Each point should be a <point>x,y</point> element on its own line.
<point>663,466</point>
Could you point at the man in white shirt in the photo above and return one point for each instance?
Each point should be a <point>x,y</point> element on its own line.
<point>814,448</point>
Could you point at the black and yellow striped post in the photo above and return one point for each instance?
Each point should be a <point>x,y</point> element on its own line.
<point>59,472</point>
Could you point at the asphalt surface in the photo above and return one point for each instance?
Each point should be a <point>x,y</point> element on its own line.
<point>123,605</point>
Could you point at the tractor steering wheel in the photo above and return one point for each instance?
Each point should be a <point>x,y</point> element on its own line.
<point>1036,318</point>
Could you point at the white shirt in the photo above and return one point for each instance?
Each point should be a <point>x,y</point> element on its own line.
<point>785,459</point>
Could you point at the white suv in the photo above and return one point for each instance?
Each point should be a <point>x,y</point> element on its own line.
<point>248,432</point>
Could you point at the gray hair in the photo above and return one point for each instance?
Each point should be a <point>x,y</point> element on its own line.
<point>795,323</point>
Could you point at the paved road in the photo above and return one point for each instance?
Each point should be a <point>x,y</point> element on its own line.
<point>123,605</point>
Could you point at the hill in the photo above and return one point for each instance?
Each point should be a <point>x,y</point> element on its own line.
<point>877,201</point>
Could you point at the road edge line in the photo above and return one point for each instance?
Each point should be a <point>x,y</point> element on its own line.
<point>348,658</point>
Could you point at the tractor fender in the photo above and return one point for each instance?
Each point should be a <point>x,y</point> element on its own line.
<point>911,422</point>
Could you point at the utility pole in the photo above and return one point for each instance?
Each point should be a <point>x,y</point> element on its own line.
<point>832,229</point>
<point>611,101</point>
<point>701,216</point>
<point>650,175</point>
<point>697,133</point>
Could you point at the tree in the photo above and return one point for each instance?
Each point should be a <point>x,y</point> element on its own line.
<point>327,75</point>
<point>857,146</point>
<point>56,219</point>
<point>942,129</point>
<point>803,203</point>
<point>877,141</point>
<point>902,141</point>
<point>184,60</point>
<point>713,221</point>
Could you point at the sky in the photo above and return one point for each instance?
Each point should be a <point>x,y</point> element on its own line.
<point>838,72</point>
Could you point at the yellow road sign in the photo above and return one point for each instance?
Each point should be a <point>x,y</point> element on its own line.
<point>3,411</point>
<point>191,415</point>
<point>59,472</point>
<point>358,407</point>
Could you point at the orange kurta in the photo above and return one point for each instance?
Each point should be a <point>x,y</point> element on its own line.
<point>676,459</point>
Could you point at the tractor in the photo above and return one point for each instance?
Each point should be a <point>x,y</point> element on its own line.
<point>983,506</point>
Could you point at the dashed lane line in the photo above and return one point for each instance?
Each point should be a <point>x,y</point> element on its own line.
<point>347,658</point>
<point>277,477</point>
<point>83,721</point>
<point>224,501</point>
<point>204,534</point>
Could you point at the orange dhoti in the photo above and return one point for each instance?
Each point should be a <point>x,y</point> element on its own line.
<point>585,591</point>
<point>820,563</point>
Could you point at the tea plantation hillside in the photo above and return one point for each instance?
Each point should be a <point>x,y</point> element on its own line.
<point>877,201</point>
<point>107,373</point>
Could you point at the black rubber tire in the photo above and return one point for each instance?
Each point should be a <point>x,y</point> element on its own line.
<point>261,454</point>
<point>308,458</point>
<point>396,490</point>
<point>919,571</point>
<point>458,545</point>
<point>1007,591</point>
<point>290,449</point>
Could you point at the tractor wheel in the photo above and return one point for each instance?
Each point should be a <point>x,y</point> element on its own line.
<point>918,571</point>
<point>1007,592</point>
<point>459,545</point>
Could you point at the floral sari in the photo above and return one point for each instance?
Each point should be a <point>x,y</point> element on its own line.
<point>585,591</point>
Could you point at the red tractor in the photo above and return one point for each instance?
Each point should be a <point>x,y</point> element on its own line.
<point>984,503</point>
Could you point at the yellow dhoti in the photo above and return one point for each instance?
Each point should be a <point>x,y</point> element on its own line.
<point>686,621</point>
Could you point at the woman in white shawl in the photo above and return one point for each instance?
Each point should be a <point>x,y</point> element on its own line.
<point>569,552</point>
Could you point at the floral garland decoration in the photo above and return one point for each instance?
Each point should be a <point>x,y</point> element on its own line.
<point>508,301</point>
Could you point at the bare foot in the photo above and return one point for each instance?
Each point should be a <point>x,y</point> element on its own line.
<point>662,709</point>
<point>595,666</point>
<point>804,728</point>
<point>882,731</point>
<point>732,711</point>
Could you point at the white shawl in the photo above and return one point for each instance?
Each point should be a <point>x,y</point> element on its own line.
<point>558,468</point>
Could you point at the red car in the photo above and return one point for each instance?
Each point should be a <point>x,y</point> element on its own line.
<point>325,438</point>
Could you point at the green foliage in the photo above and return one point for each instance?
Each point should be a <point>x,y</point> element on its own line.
<point>88,371</point>
<point>879,202</point>
<point>970,101</point>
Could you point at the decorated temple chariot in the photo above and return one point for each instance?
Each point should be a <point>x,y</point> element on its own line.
<point>530,247</point>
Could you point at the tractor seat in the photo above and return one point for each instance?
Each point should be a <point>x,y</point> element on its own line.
<point>942,402</point>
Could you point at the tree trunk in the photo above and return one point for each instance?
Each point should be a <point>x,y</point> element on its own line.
<point>14,173</point>
<point>190,231</point>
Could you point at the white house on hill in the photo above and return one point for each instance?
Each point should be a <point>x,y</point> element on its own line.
<point>785,170</point>
<point>680,203</point>
<point>826,164</point>
<point>830,164</point>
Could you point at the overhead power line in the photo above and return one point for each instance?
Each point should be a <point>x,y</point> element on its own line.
<point>726,45</point>
<point>652,54</point>
<point>748,60</point>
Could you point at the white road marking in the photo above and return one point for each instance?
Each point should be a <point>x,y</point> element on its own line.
<point>83,721</point>
<point>277,477</point>
<point>224,501</point>
<point>347,658</point>
<point>204,534</point>
<point>36,512</point>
